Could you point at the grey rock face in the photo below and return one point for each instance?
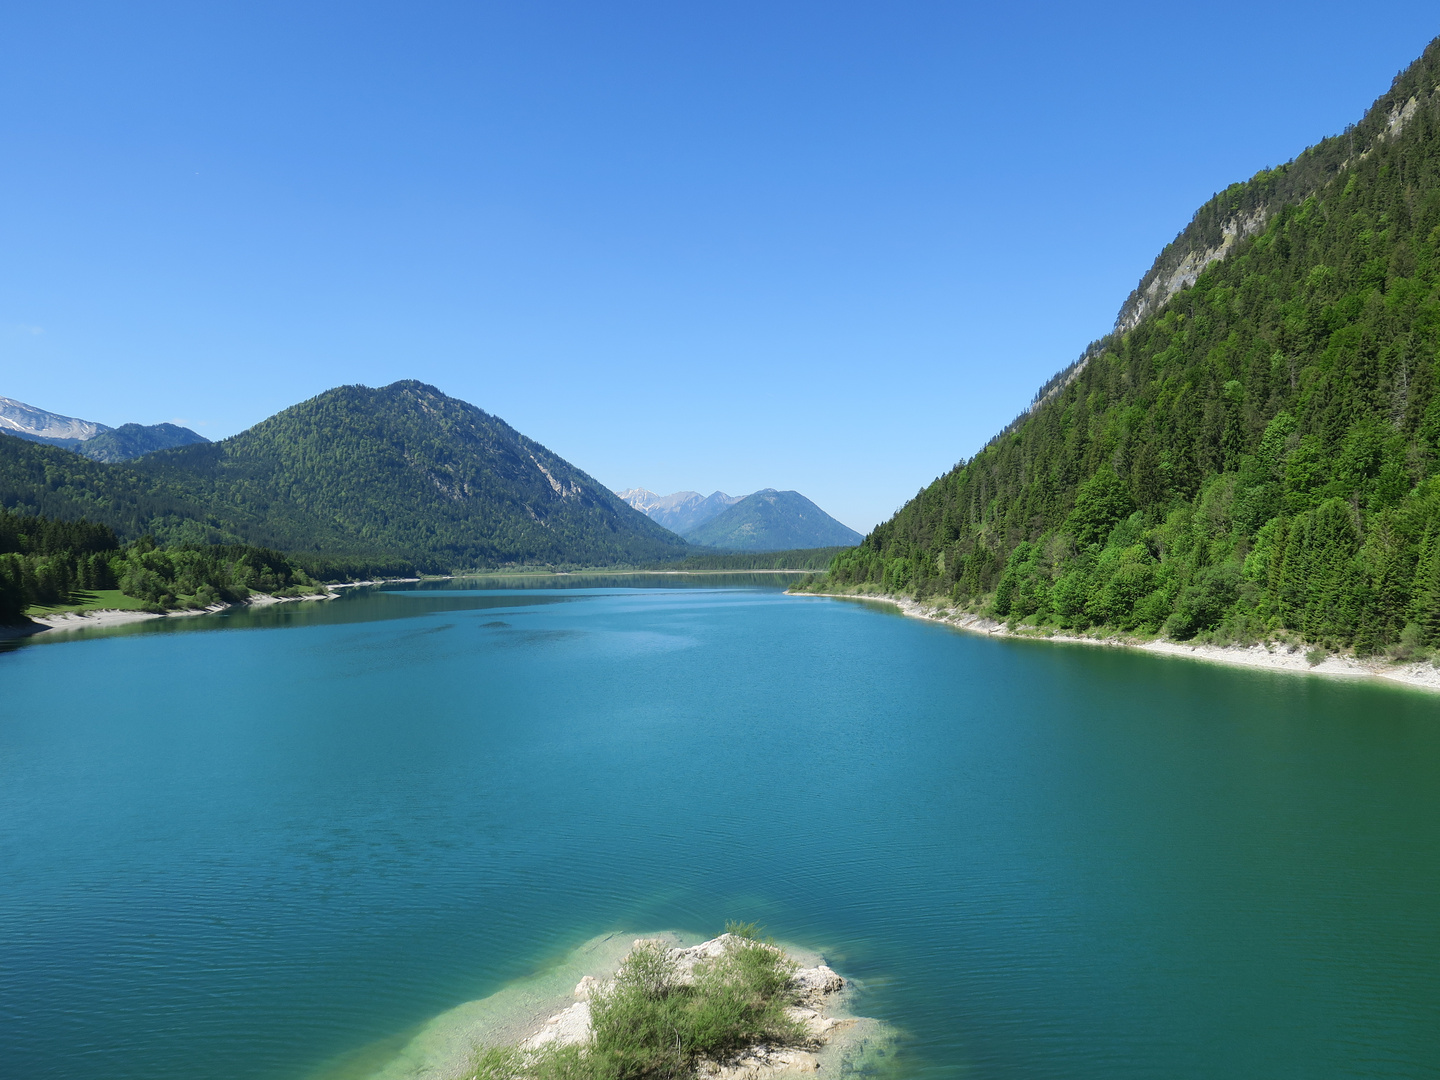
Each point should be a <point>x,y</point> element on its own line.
<point>17,418</point>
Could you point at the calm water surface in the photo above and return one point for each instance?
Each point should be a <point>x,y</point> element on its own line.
<point>239,847</point>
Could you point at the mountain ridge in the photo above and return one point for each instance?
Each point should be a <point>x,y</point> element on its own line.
<point>27,421</point>
<point>680,511</point>
<point>88,438</point>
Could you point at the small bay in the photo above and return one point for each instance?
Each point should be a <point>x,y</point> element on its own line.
<point>257,844</point>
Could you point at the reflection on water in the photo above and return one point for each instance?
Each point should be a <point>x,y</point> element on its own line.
<point>775,579</point>
<point>404,600</point>
<point>247,855</point>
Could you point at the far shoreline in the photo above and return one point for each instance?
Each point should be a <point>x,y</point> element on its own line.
<point>1421,675</point>
<point>68,622</point>
<point>487,575</point>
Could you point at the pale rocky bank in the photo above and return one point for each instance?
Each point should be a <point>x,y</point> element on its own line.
<point>103,618</point>
<point>1272,656</point>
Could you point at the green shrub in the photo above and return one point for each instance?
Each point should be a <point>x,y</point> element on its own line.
<point>652,1024</point>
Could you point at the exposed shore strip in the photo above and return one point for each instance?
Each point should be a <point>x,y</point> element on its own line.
<point>1422,675</point>
<point>101,618</point>
<point>104,618</point>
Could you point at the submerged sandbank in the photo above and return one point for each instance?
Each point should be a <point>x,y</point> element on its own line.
<point>1423,675</point>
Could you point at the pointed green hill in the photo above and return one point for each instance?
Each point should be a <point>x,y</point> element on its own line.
<point>400,473</point>
<point>771,520</point>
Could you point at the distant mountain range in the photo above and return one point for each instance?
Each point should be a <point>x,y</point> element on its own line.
<point>95,441</point>
<point>767,520</point>
<point>397,478</point>
<point>401,476</point>
<point>680,512</point>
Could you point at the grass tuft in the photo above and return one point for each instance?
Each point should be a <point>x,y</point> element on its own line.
<point>748,930</point>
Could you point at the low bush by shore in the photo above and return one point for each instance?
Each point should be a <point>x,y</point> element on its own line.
<point>669,1015</point>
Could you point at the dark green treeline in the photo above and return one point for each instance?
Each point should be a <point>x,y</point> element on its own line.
<point>1259,453</point>
<point>45,562</point>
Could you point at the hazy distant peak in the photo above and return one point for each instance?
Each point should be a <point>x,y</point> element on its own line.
<point>95,441</point>
<point>764,520</point>
<point>645,500</point>
<point>680,511</point>
<point>17,418</point>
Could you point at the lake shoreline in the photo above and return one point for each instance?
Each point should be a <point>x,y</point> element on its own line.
<point>105,618</point>
<point>1421,676</point>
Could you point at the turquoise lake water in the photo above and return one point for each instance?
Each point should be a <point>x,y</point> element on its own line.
<point>247,846</point>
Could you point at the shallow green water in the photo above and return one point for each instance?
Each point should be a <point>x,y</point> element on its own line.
<point>248,846</point>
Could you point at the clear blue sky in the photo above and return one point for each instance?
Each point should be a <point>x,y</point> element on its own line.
<point>823,246</point>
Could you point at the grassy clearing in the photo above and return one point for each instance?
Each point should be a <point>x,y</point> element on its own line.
<point>654,1024</point>
<point>92,600</point>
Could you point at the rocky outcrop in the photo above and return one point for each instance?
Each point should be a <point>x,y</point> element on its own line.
<point>568,1026</point>
<point>1181,265</point>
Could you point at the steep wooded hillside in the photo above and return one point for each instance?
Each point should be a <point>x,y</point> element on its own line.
<point>1254,448</point>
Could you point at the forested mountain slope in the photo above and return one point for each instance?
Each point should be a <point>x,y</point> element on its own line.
<point>61,485</point>
<point>1254,447</point>
<point>359,474</point>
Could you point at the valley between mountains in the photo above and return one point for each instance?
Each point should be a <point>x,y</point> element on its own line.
<point>1253,451</point>
<point>354,483</point>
